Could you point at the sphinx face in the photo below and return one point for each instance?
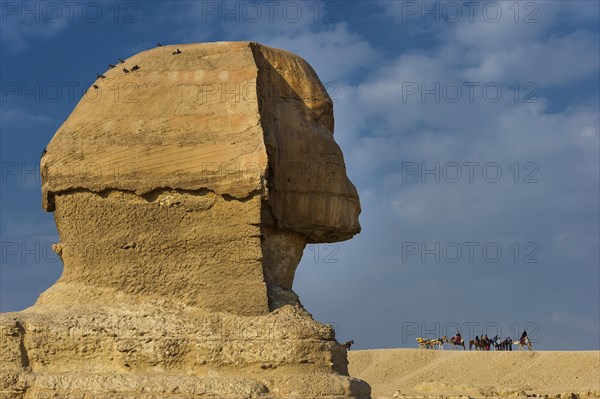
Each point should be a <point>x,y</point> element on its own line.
<point>309,191</point>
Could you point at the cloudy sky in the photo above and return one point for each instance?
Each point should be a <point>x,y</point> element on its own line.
<point>471,130</point>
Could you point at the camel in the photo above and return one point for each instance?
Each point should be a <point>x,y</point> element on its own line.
<point>526,342</point>
<point>423,343</point>
<point>439,342</point>
<point>431,343</point>
<point>452,341</point>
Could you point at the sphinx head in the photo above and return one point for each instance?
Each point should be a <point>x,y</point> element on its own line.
<point>194,191</point>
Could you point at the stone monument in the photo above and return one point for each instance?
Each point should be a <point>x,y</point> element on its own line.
<point>185,186</point>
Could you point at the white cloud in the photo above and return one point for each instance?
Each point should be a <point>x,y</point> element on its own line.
<point>521,62</point>
<point>573,320</point>
<point>247,20</point>
<point>18,117</point>
<point>17,30</point>
<point>335,54</point>
<point>513,47</point>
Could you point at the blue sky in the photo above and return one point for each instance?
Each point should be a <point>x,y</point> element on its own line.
<point>471,130</point>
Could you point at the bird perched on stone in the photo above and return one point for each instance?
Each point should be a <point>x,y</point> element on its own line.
<point>121,61</point>
<point>135,67</point>
<point>158,45</point>
<point>100,76</point>
<point>95,86</point>
<point>44,153</point>
<point>111,66</point>
<point>177,52</point>
<point>125,70</point>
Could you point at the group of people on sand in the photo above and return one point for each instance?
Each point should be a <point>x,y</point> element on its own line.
<point>480,343</point>
<point>485,343</point>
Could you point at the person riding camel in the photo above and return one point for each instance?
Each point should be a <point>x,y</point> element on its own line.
<point>523,336</point>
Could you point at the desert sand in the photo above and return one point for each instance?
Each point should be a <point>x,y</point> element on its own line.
<point>446,373</point>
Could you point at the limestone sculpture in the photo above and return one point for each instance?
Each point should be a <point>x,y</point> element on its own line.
<point>184,193</point>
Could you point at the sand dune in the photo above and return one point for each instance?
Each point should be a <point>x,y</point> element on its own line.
<point>428,373</point>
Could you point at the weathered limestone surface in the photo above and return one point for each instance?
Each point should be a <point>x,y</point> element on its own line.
<point>184,194</point>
